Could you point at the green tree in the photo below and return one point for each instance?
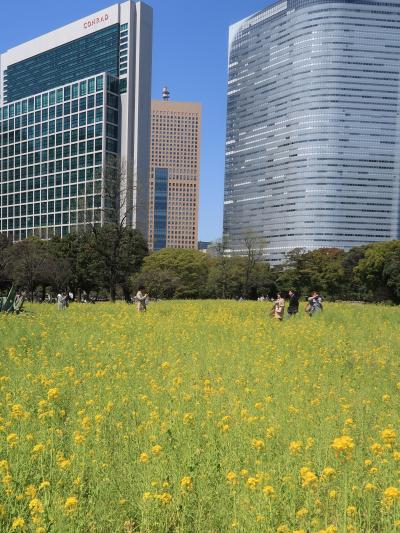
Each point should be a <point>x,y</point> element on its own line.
<point>391,273</point>
<point>253,246</point>
<point>5,246</point>
<point>377,271</point>
<point>84,263</point>
<point>119,252</point>
<point>28,263</point>
<point>320,270</point>
<point>225,277</point>
<point>159,283</point>
<point>188,266</point>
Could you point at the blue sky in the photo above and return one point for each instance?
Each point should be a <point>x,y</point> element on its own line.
<point>189,55</point>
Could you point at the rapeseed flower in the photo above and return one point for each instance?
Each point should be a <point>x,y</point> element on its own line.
<point>268,490</point>
<point>17,523</point>
<point>71,504</point>
<point>343,446</point>
<point>186,483</point>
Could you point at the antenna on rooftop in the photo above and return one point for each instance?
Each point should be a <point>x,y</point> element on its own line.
<point>165,94</point>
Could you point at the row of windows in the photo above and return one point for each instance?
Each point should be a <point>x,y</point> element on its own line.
<point>47,233</point>
<point>123,54</point>
<point>57,96</point>
<point>72,122</point>
<point>25,180</point>
<point>51,167</point>
<point>51,193</point>
<point>74,217</point>
<point>67,204</point>
<point>40,152</point>
<point>56,111</point>
<point>51,180</point>
<point>78,59</point>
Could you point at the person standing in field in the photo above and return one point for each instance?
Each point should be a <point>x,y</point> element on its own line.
<point>314,304</point>
<point>278,309</point>
<point>293,307</point>
<point>140,300</point>
<point>60,301</point>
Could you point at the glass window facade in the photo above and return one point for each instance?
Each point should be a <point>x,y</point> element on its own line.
<point>54,149</point>
<point>160,207</point>
<point>313,144</point>
<point>83,57</point>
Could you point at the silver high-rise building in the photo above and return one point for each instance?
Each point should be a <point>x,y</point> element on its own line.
<point>313,126</point>
<point>75,125</point>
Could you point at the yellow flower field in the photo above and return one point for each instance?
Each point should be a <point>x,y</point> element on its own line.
<point>199,417</point>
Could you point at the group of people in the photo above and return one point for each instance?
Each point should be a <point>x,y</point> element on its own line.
<point>314,305</point>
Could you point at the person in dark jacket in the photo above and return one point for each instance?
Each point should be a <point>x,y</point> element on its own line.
<point>293,307</point>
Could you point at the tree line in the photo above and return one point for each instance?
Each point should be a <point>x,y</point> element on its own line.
<point>113,261</point>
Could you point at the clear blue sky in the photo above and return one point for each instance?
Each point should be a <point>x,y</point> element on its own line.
<point>189,55</point>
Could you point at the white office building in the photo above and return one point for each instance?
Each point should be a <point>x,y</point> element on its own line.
<point>313,138</point>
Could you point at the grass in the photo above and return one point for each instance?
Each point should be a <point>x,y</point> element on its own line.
<point>199,417</point>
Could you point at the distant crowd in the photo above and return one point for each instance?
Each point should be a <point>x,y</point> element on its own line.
<point>313,305</point>
<point>141,299</point>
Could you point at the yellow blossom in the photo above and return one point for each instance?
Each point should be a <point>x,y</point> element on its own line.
<point>308,477</point>
<point>18,523</point>
<point>78,437</point>
<point>53,393</point>
<point>376,448</point>
<point>388,436</point>
<point>164,497</point>
<point>327,472</point>
<point>295,446</point>
<point>12,439</point>
<point>252,482</point>
<point>30,491</point>
<point>268,490</point>
<point>38,448</point>
<point>257,444</point>
<point>301,513</point>
<point>186,483</point>
<point>343,446</point>
<point>143,457</point>
<point>391,494</point>
<point>232,478</point>
<point>36,506</point>
<point>282,529</point>
<point>156,449</point>
<point>187,418</point>
<point>71,504</point>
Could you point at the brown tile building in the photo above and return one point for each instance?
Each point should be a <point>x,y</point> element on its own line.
<point>174,174</point>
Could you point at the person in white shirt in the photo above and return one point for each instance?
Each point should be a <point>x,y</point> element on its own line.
<point>140,300</point>
<point>60,301</point>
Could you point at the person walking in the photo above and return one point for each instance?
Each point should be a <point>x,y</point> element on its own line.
<point>140,300</point>
<point>293,306</point>
<point>314,304</point>
<point>278,309</point>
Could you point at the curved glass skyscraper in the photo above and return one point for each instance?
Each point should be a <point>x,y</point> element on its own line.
<point>313,126</point>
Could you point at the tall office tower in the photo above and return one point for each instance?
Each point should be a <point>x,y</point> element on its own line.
<point>174,174</point>
<point>313,128</point>
<point>74,111</point>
